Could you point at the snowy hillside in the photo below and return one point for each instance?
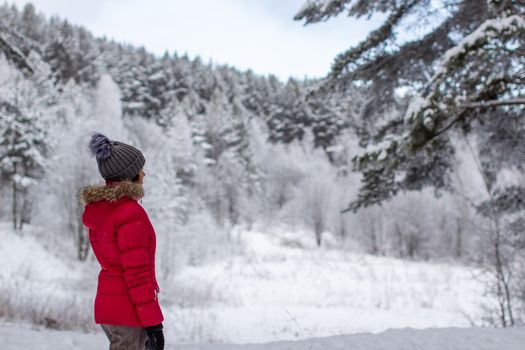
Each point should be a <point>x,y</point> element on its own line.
<point>278,286</point>
<point>281,287</point>
<point>22,337</point>
<point>39,286</point>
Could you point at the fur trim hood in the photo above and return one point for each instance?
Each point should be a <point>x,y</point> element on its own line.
<point>91,194</point>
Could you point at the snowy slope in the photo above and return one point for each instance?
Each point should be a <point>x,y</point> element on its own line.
<point>23,337</point>
<point>275,291</point>
<point>23,257</point>
<point>279,286</point>
<point>37,285</point>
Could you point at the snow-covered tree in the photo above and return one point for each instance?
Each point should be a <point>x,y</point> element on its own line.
<point>461,71</point>
<point>463,77</point>
<point>23,143</point>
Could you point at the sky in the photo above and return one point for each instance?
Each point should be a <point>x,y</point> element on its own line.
<point>260,35</point>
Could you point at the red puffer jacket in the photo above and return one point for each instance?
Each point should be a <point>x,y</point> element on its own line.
<point>123,241</point>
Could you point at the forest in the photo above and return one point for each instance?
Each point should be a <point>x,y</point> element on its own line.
<point>410,148</point>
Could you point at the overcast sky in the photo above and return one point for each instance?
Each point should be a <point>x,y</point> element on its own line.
<point>249,34</point>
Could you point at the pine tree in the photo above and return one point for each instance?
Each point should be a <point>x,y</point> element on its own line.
<point>22,144</point>
<point>291,117</point>
<point>465,78</point>
<point>461,72</point>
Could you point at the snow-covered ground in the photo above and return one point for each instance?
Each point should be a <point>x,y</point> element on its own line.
<point>23,337</point>
<point>283,288</point>
<point>279,286</point>
<point>37,284</point>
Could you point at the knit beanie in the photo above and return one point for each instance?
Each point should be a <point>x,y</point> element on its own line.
<point>116,160</point>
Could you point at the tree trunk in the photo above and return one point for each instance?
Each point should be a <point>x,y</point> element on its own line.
<point>83,243</point>
<point>503,293</point>
<point>400,243</point>
<point>503,289</point>
<point>342,227</point>
<point>373,236</point>
<point>15,203</point>
<point>25,214</point>
<point>459,239</point>
<point>233,214</point>
<point>318,233</point>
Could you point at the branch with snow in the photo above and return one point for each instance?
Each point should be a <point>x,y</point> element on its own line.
<point>425,106</point>
<point>314,11</point>
<point>494,103</point>
<point>374,39</point>
<point>456,88</point>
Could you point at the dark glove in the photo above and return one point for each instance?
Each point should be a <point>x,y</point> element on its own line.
<point>155,338</point>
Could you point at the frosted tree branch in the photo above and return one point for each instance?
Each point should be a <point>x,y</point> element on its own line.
<point>494,103</point>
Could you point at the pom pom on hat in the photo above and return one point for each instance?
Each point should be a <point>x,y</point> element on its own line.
<point>100,146</point>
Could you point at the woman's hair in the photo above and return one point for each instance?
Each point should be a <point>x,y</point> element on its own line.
<point>136,178</point>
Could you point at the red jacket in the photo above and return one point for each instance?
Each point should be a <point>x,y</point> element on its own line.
<point>123,241</point>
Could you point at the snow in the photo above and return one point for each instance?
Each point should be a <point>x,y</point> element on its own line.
<point>416,104</point>
<point>307,5</point>
<point>335,149</point>
<point>24,181</point>
<point>486,29</point>
<point>322,5</point>
<point>489,28</point>
<point>380,149</point>
<point>278,286</point>
<point>282,287</point>
<point>36,285</point>
<point>23,256</point>
<point>508,177</point>
<point>21,337</point>
<point>107,116</point>
<point>327,4</point>
<point>156,76</point>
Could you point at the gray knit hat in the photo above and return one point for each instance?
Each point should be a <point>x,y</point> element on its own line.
<point>116,161</point>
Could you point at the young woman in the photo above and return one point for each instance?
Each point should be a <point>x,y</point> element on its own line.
<point>123,240</point>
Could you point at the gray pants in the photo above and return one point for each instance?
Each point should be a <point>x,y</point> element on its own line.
<point>124,337</point>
